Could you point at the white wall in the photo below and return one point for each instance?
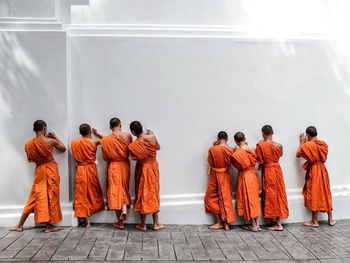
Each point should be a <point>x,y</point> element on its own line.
<point>185,69</point>
<point>33,86</point>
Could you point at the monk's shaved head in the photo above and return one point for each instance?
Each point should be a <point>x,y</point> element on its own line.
<point>267,130</point>
<point>84,129</point>
<point>114,122</point>
<point>39,125</point>
<point>239,137</point>
<point>222,135</point>
<point>136,127</point>
<point>311,131</point>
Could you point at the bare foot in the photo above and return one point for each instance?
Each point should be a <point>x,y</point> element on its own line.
<point>226,227</point>
<point>158,227</point>
<point>17,228</point>
<point>310,224</point>
<point>49,229</point>
<point>275,228</point>
<point>332,222</point>
<point>123,215</point>
<point>251,228</point>
<point>217,226</point>
<point>142,228</point>
<point>87,223</point>
<point>119,225</point>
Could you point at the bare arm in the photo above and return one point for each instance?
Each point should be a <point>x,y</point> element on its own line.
<point>56,142</point>
<point>154,139</point>
<point>302,139</point>
<point>94,131</point>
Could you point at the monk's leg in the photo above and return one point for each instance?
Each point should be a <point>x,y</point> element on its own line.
<point>156,225</point>
<point>226,226</point>
<point>50,228</point>
<point>331,222</point>
<point>87,222</point>
<point>120,223</point>
<point>218,224</point>
<point>313,222</point>
<point>123,213</point>
<point>277,226</point>
<point>142,226</point>
<point>19,226</point>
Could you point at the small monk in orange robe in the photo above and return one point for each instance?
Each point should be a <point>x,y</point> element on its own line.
<point>317,191</point>
<point>116,153</point>
<point>218,197</point>
<point>247,193</point>
<point>144,150</point>
<point>274,191</point>
<point>88,197</point>
<point>44,198</point>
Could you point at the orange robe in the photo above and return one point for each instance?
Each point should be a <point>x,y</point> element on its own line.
<point>247,193</point>
<point>274,190</point>
<point>317,191</point>
<point>115,152</point>
<point>146,177</point>
<point>88,197</point>
<point>218,198</point>
<point>44,198</point>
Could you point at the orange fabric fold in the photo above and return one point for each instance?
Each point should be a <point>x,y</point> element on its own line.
<point>44,198</point>
<point>274,190</point>
<point>247,193</point>
<point>146,177</point>
<point>317,191</point>
<point>219,194</point>
<point>88,197</point>
<point>115,152</point>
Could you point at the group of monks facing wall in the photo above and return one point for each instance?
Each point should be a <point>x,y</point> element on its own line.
<point>43,200</point>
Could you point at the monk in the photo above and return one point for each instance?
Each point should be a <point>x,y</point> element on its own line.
<point>218,198</point>
<point>88,197</point>
<point>116,153</point>
<point>144,150</point>
<point>247,193</point>
<point>274,191</point>
<point>317,191</point>
<point>44,198</point>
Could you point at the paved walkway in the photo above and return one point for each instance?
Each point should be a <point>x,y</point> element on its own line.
<point>178,242</point>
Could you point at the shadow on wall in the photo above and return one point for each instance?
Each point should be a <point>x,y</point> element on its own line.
<point>28,86</point>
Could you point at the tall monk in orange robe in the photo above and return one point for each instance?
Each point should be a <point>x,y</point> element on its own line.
<point>247,193</point>
<point>116,153</point>
<point>218,197</point>
<point>144,150</point>
<point>44,198</point>
<point>88,197</point>
<point>317,191</point>
<point>274,191</point>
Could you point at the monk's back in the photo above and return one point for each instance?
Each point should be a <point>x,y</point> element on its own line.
<point>314,151</point>
<point>270,152</point>
<point>141,150</point>
<point>243,159</point>
<point>83,150</point>
<point>114,148</point>
<point>221,156</point>
<point>38,150</point>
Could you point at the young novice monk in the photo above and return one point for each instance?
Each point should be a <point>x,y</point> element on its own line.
<point>115,152</point>
<point>218,198</point>
<point>317,191</point>
<point>144,150</point>
<point>88,197</point>
<point>44,198</point>
<point>274,191</point>
<point>247,193</point>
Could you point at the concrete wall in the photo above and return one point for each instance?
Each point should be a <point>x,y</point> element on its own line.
<point>185,69</point>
